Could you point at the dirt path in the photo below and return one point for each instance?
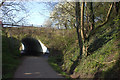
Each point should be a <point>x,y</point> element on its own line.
<point>35,67</point>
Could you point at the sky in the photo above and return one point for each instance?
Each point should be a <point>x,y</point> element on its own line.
<point>38,13</point>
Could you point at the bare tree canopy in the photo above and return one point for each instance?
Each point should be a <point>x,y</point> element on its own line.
<point>14,12</point>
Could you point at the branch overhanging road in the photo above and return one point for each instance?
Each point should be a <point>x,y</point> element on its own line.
<point>35,67</point>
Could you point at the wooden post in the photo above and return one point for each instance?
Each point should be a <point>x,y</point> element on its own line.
<point>1,25</point>
<point>22,25</point>
<point>12,24</point>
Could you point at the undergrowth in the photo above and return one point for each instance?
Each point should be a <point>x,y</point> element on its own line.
<point>10,56</point>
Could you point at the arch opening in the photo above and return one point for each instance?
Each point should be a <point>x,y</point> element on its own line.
<point>33,46</point>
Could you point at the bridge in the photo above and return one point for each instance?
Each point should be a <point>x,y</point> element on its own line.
<point>29,41</point>
<point>33,40</point>
<point>5,24</point>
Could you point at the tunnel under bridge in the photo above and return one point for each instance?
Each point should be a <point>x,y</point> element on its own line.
<point>33,46</point>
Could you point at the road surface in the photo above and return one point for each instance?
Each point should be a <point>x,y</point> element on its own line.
<point>35,67</point>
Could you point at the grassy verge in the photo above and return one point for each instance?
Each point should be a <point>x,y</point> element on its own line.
<point>10,56</point>
<point>56,67</point>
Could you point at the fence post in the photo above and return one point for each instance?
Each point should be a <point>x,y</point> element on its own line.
<point>22,25</point>
<point>1,25</point>
<point>12,24</point>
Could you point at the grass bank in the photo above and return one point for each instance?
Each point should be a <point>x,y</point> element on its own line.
<point>10,56</point>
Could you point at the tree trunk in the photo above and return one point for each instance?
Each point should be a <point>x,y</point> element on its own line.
<point>116,8</point>
<point>82,21</point>
<point>87,22</point>
<point>92,16</point>
<point>78,28</point>
<point>82,28</point>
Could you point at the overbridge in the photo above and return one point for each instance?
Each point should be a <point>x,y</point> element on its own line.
<point>30,45</point>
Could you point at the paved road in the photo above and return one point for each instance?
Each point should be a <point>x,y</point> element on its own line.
<point>35,67</point>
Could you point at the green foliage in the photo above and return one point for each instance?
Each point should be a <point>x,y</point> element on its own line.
<point>10,56</point>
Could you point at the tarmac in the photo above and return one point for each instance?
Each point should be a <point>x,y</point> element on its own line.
<point>36,67</point>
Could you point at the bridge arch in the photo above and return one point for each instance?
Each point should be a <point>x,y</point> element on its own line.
<point>33,46</point>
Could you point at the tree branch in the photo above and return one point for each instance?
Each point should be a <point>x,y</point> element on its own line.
<point>67,11</point>
<point>106,20</point>
<point>104,62</point>
<point>2,3</point>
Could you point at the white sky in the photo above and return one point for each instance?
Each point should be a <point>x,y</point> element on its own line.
<point>39,12</point>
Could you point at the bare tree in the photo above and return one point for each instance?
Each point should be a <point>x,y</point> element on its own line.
<point>13,12</point>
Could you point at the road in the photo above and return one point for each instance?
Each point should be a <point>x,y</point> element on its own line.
<point>35,67</point>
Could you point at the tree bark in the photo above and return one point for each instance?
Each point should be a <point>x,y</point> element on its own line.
<point>116,7</point>
<point>78,28</point>
<point>87,22</point>
<point>82,21</point>
<point>82,27</point>
<point>92,16</point>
